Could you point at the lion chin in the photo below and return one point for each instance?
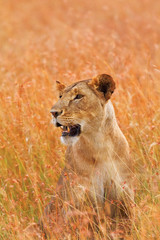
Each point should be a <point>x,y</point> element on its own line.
<point>97,151</point>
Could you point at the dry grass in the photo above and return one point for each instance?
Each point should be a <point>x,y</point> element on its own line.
<point>42,41</point>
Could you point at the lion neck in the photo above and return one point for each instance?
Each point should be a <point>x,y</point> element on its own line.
<point>93,145</point>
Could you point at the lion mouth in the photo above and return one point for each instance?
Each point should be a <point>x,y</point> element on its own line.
<point>71,131</point>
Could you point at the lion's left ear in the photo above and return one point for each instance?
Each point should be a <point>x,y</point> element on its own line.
<point>103,83</point>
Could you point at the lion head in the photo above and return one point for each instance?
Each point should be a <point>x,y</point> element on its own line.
<point>80,108</point>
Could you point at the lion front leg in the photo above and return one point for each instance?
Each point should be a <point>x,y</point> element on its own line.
<point>66,206</point>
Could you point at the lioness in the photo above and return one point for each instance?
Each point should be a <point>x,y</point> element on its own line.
<point>98,166</point>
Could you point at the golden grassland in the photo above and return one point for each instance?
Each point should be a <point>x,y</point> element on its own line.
<point>45,41</point>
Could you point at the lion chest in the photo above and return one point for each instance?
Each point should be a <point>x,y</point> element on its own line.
<point>97,166</point>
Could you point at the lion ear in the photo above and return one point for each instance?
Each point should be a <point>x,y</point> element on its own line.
<point>103,83</point>
<point>60,86</point>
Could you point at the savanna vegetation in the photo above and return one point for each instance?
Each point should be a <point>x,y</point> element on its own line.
<point>66,40</point>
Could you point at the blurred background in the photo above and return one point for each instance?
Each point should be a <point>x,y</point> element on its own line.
<point>67,40</point>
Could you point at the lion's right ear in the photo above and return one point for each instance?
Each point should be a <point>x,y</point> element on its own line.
<point>103,83</point>
<point>60,86</point>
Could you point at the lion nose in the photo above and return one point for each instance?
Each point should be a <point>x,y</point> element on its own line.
<point>55,113</point>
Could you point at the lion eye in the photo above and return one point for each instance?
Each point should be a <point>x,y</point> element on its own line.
<point>78,96</point>
<point>60,96</point>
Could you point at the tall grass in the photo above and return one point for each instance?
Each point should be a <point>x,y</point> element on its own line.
<point>45,41</point>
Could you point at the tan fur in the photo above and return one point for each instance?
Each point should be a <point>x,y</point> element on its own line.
<point>98,166</point>
<point>60,87</point>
